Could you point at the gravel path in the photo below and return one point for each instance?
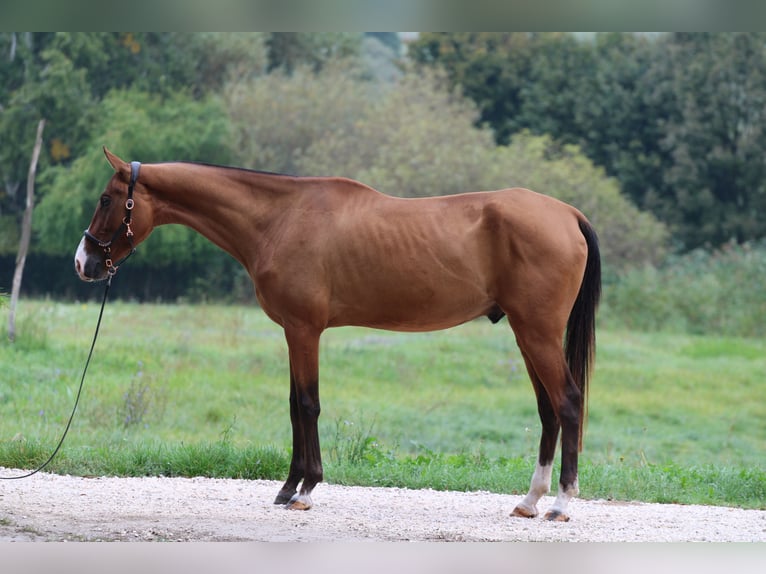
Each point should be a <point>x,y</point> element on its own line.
<point>51,507</point>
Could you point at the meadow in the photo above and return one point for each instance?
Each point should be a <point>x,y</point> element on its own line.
<point>202,390</point>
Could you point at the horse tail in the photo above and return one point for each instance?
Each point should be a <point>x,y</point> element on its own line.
<point>580,342</point>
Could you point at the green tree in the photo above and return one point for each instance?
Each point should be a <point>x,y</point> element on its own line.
<point>288,51</point>
<point>715,181</point>
<point>416,139</point>
<point>140,126</point>
<point>162,62</point>
<point>61,77</point>
<point>620,119</point>
<point>676,118</point>
<point>491,68</point>
<point>43,85</point>
<point>276,118</point>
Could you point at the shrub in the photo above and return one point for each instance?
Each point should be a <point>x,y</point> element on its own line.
<point>716,292</point>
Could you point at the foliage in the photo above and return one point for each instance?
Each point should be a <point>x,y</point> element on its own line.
<point>484,65</point>
<point>43,84</point>
<point>277,118</point>
<point>192,129</point>
<point>676,118</point>
<point>414,140</point>
<point>63,76</point>
<point>289,51</point>
<point>715,182</point>
<point>699,292</point>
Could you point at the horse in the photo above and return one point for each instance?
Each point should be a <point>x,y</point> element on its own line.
<point>330,251</point>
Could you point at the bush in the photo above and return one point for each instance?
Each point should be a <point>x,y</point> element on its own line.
<point>699,292</point>
<point>277,117</point>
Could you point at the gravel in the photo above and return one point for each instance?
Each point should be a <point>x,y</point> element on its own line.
<point>48,507</point>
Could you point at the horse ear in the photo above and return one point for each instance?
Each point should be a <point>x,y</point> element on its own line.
<point>117,164</point>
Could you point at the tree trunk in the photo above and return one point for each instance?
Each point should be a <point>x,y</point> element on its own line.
<point>26,232</point>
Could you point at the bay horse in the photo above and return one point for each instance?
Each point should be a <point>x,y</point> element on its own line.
<point>328,251</point>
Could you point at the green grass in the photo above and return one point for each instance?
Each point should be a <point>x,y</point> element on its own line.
<point>202,390</point>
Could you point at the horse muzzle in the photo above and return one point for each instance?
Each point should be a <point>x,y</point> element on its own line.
<point>89,266</point>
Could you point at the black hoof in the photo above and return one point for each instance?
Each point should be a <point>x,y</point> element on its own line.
<point>284,498</point>
<point>556,516</point>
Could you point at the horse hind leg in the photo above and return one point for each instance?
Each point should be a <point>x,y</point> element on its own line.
<point>559,407</point>
<point>541,479</point>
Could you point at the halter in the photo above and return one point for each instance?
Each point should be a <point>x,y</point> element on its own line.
<point>111,268</point>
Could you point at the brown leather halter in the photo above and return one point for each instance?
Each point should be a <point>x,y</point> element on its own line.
<point>111,268</point>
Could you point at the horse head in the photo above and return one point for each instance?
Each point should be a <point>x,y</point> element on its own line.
<point>123,219</point>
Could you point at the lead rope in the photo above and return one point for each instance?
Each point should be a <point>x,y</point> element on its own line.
<point>79,392</point>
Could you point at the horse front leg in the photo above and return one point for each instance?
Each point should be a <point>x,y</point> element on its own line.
<point>306,463</point>
<point>297,462</point>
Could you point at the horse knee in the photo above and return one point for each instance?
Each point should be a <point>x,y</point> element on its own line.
<point>310,406</point>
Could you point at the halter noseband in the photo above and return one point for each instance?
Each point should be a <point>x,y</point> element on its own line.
<point>111,268</point>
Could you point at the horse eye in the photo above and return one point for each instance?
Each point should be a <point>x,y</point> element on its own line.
<point>106,201</point>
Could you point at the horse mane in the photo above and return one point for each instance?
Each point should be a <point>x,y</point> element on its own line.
<point>235,168</point>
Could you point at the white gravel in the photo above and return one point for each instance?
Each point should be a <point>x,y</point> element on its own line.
<point>50,507</point>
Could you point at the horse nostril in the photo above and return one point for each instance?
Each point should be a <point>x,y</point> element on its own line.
<point>78,267</point>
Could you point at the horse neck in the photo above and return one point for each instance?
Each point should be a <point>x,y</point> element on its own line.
<point>232,208</point>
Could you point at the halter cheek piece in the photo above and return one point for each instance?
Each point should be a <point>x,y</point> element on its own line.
<point>111,268</point>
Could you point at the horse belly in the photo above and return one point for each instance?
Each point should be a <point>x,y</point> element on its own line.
<point>405,302</point>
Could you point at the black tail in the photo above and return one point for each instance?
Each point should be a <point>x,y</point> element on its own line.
<point>580,344</point>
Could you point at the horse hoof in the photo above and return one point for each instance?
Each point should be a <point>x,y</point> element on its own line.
<point>556,516</point>
<point>284,498</point>
<point>302,502</point>
<point>524,512</point>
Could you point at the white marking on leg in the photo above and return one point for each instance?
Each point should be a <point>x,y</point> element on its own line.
<point>562,499</point>
<point>539,486</point>
<point>300,502</point>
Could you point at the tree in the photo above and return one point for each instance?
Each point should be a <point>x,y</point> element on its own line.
<point>715,182</point>
<point>418,137</point>
<point>415,139</point>
<point>620,120</point>
<point>276,118</point>
<point>142,126</point>
<point>63,76</point>
<point>676,118</point>
<point>44,85</point>
<point>26,232</point>
<point>490,68</point>
<point>291,50</point>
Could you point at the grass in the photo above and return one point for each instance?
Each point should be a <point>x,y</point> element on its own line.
<point>202,390</point>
